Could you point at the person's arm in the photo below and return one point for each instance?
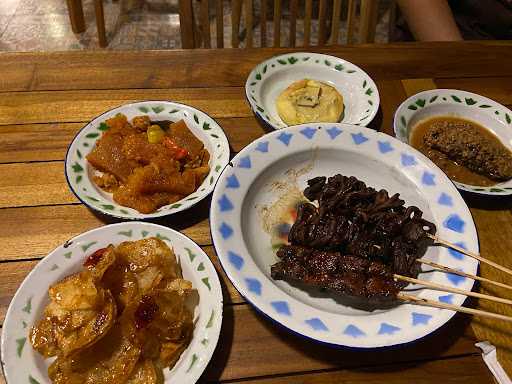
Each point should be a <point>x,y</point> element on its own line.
<point>430,20</point>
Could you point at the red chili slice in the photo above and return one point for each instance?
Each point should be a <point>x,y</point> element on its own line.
<point>179,152</point>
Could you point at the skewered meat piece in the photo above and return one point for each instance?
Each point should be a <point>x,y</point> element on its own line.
<point>350,275</point>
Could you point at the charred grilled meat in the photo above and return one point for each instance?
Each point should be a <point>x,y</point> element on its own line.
<point>350,275</point>
<point>354,241</point>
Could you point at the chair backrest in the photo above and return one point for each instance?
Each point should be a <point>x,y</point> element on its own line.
<point>327,15</point>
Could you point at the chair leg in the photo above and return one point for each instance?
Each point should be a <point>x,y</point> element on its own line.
<point>76,15</point>
<point>236,16</point>
<point>100,23</point>
<point>189,39</point>
<point>369,11</point>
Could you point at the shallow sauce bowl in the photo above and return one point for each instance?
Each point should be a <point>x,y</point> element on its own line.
<point>450,102</point>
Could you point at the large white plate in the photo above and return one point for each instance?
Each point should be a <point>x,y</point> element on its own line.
<point>22,364</point>
<point>381,161</point>
<point>269,78</point>
<point>79,172</point>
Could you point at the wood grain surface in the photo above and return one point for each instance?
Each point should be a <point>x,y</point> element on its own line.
<point>467,369</point>
<point>208,68</point>
<point>49,141</point>
<point>489,216</point>
<point>45,99</point>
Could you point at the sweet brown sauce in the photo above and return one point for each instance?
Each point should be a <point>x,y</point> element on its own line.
<point>455,171</point>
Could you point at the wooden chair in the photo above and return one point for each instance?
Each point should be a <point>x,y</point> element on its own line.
<point>100,23</point>
<point>76,15</point>
<point>195,33</point>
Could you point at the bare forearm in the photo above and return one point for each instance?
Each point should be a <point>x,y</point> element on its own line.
<point>430,20</point>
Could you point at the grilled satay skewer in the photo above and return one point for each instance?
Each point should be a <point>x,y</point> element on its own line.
<point>436,304</point>
<point>470,254</point>
<point>446,288</point>
<point>464,274</point>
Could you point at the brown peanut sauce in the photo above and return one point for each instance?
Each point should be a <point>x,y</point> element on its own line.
<point>455,171</point>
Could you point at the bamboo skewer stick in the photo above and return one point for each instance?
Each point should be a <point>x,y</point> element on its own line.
<point>460,273</point>
<point>446,288</point>
<point>471,254</point>
<point>437,304</point>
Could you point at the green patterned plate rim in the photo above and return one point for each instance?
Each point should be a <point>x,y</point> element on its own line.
<point>269,78</point>
<point>487,112</point>
<point>22,364</point>
<point>79,171</point>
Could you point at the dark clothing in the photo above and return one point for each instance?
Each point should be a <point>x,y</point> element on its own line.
<point>476,19</point>
<point>483,19</point>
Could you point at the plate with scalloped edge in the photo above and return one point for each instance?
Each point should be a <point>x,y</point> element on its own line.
<point>79,172</point>
<point>245,247</point>
<point>269,78</point>
<point>22,364</point>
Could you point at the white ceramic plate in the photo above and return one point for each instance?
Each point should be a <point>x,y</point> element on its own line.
<point>22,364</point>
<point>381,161</point>
<point>268,79</point>
<point>79,172</point>
<point>452,102</point>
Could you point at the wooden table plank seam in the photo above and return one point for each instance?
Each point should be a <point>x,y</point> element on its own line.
<point>173,68</point>
<point>31,162</point>
<point>334,370</point>
<point>44,205</point>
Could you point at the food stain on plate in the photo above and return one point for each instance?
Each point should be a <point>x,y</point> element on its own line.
<point>278,217</point>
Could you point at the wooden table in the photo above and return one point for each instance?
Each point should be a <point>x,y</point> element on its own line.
<point>46,98</point>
